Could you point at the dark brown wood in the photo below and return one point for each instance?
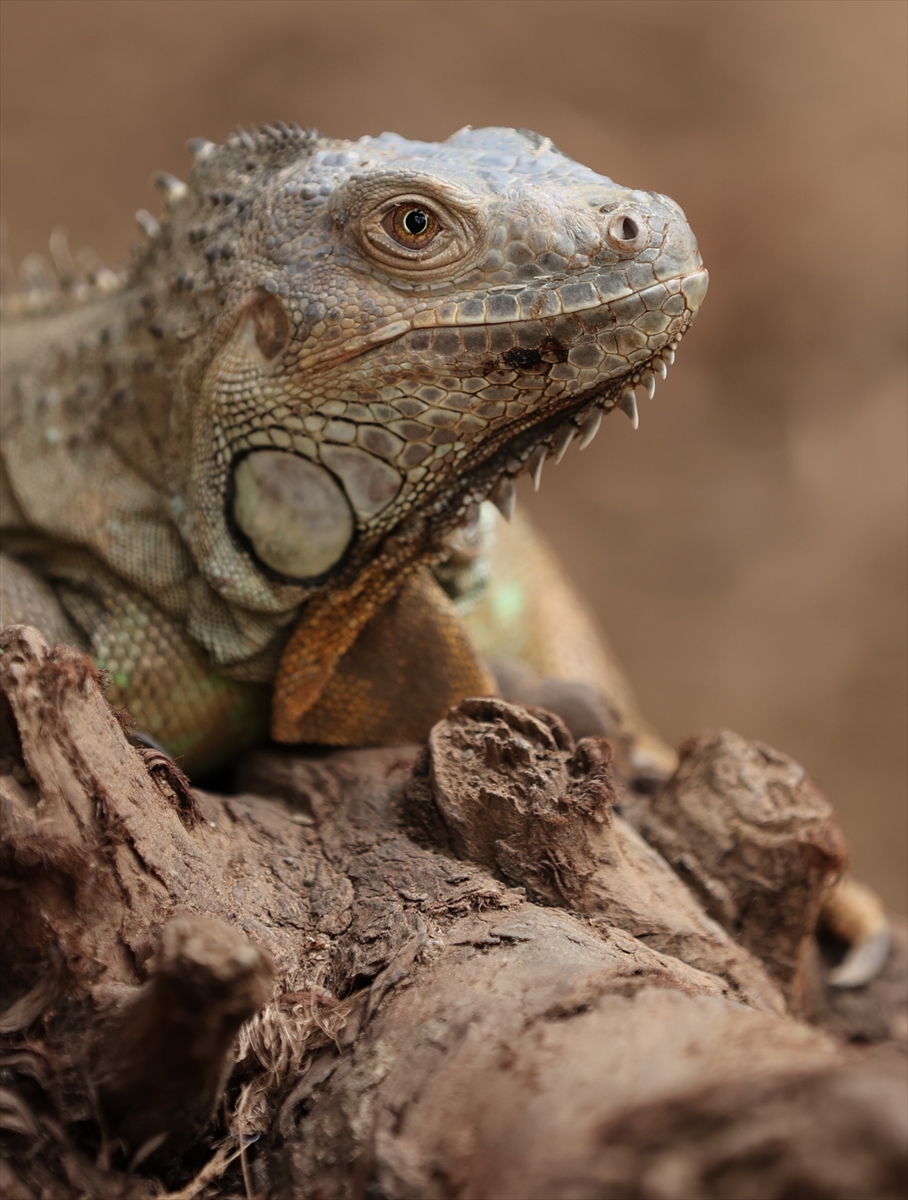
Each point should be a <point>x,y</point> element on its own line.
<point>486,982</point>
<point>163,1056</point>
<point>756,842</point>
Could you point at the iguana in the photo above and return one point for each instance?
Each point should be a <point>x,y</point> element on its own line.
<point>250,475</point>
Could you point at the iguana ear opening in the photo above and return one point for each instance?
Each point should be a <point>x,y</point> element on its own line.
<point>294,513</point>
<point>271,325</point>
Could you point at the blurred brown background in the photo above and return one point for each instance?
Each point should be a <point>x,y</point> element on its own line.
<point>745,549</point>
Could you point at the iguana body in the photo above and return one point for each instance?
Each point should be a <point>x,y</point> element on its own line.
<point>229,473</point>
<point>324,360</point>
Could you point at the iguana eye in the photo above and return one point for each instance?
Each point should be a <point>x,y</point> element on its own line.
<point>415,234</point>
<point>411,225</point>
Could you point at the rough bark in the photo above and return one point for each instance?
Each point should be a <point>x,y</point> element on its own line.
<point>744,827</point>
<point>459,970</point>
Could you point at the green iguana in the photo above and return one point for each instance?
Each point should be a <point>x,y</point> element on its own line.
<point>249,476</point>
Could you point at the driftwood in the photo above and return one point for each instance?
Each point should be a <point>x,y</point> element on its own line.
<point>460,970</point>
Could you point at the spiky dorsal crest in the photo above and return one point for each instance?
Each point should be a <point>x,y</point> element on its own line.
<point>248,156</point>
<point>195,241</point>
<point>47,286</point>
<point>223,181</point>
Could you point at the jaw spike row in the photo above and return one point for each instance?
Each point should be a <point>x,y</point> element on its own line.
<point>563,438</point>
<point>504,497</point>
<point>536,463</point>
<point>628,405</point>
<point>659,367</point>
<point>648,379</point>
<point>669,355</point>
<point>591,427</point>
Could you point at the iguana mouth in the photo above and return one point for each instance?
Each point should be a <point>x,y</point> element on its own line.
<point>549,426</point>
<point>550,431</point>
<point>331,620</point>
<point>315,512</point>
<point>450,318</point>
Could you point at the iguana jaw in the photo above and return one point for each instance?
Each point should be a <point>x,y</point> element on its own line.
<point>549,430</point>
<point>487,468</point>
<point>562,373</point>
<point>331,621</point>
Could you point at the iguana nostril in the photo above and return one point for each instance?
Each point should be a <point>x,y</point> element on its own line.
<point>629,229</point>
<point>626,231</point>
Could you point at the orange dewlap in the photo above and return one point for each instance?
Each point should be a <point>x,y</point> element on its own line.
<point>351,675</point>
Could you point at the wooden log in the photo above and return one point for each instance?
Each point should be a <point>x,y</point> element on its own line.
<point>162,1058</point>
<point>508,788</point>
<point>469,997</point>
<point>755,840</point>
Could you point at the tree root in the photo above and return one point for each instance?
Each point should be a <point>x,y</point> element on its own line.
<point>455,971</point>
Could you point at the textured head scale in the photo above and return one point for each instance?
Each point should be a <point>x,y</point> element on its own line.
<point>392,331</point>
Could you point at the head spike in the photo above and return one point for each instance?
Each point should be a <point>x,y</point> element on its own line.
<point>174,189</point>
<point>93,269</point>
<point>64,263</point>
<point>36,277</point>
<point>147,222</point>
<point>200,148</point>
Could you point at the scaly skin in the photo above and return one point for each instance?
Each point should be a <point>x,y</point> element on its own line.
<point>323,362</point>
<point>226,472</point>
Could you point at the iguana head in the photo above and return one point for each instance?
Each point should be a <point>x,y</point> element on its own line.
<point>383,333</point>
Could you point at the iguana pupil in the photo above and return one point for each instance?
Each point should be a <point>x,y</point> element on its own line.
<point>411,226</point>
<point>416,221</point>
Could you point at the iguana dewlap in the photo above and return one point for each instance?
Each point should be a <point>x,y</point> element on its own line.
<point>222,466</point>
